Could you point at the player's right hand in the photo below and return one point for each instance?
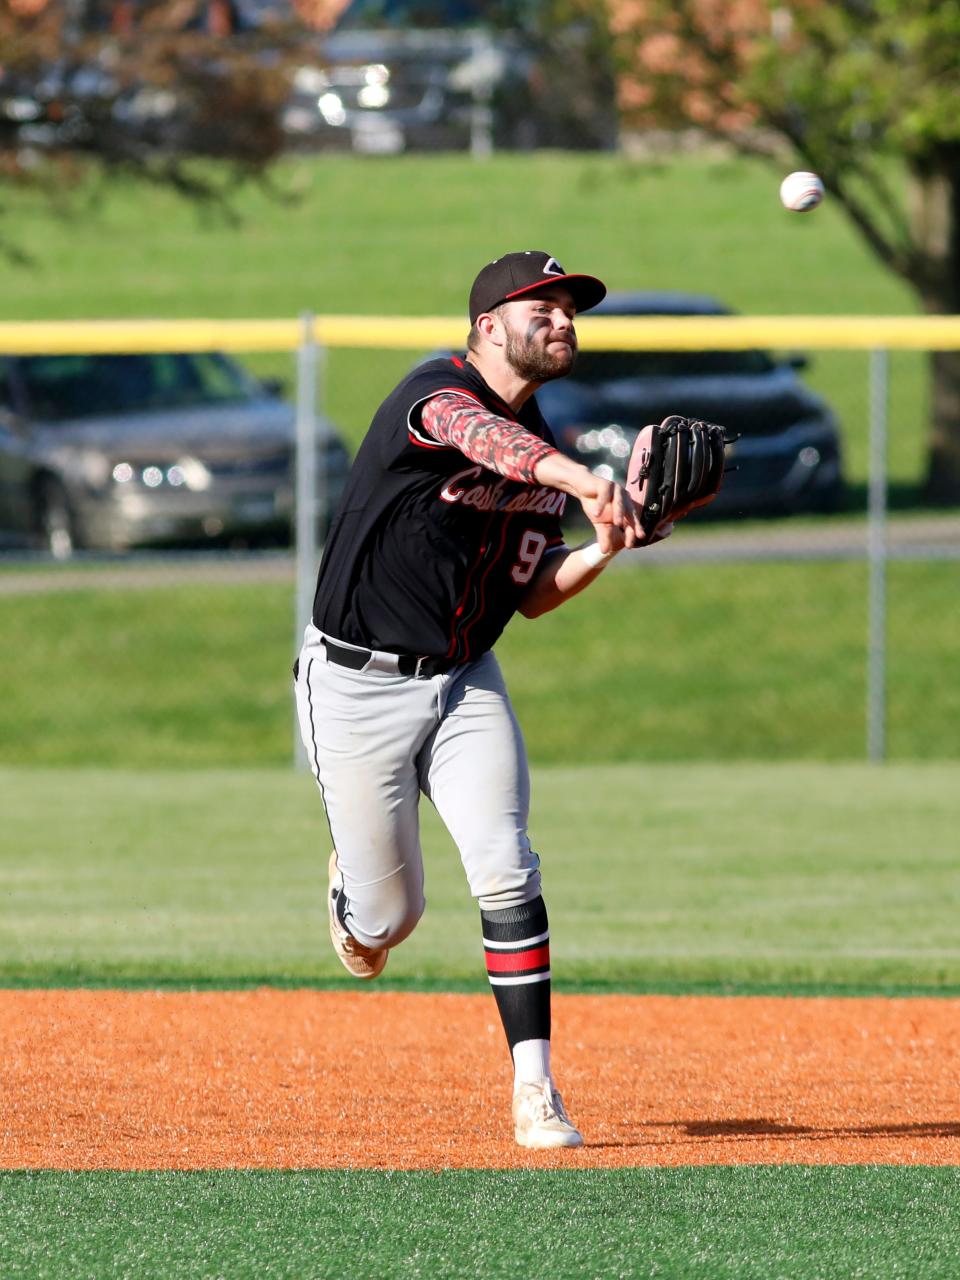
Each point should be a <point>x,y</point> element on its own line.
<point>604,503</point>
<point>596,496</point>
<point>608,506</point>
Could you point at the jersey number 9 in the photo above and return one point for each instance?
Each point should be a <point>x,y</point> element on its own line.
<point>528,557</point>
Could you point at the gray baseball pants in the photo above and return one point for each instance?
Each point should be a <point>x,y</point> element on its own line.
<point>376,740</point>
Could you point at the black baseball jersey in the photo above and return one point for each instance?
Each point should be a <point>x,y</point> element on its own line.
<point>430,553</point>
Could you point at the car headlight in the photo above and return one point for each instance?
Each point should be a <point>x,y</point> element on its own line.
<point>194,474</point>
<point>21,110</point>
<point>376,73</point>
<point>331,108</point>
<point>187,473</point>
<point>373,96</point>
<point>310,80</point>
<point>371,73</point>
<point>612,439</point>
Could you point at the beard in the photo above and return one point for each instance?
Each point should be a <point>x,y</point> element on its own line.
<point>533,362</point>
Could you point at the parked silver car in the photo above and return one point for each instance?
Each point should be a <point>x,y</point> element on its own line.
<point>116,451</point>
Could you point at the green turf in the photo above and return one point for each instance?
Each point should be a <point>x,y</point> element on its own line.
<point>714,1223</point>
<point>719,878</point>
<point>406,235</point>
<point>726,662</point>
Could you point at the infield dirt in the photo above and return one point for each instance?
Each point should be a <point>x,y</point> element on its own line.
<point>368,1079</point>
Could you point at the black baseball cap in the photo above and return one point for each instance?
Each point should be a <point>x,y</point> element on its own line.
<point>515,274</point>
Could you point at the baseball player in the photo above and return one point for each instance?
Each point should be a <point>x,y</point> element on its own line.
<point>449,524</point>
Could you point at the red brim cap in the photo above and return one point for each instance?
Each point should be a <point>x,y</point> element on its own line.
<point>518,274</point>
<point>586,291</point>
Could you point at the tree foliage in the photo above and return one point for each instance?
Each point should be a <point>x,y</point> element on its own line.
<point>153,87</point>
<point>859,91</point>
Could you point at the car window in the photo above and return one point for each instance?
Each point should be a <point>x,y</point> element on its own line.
<point>82,386</point>
<point>420,15</point>
<point>608,366</point>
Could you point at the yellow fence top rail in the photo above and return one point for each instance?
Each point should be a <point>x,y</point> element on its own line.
<point>421,333</point>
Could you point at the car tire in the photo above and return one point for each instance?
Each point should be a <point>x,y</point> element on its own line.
<point>55,520</point>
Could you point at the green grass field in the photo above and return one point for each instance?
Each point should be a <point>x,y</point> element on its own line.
<point>713,1223</point>
<point>771,877</point>
<point>688,222</point>
<point>405,236</point>
<point>706,662</point>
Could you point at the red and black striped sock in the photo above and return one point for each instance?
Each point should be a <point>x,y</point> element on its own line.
<point>516,946</point>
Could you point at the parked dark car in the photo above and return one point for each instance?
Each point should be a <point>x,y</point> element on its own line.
<point>180,92</point>
<point>83,106</point>
<point>117,451</point>
<point>788,458</point>
<point>397,75</point>
<point>58,104</point>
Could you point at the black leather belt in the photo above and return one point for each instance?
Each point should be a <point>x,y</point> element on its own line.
<point>408,664</point>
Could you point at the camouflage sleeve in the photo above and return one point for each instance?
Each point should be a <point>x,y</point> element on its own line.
<point>496,443</point>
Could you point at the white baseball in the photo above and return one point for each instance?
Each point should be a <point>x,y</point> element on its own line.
<point>801,191</point>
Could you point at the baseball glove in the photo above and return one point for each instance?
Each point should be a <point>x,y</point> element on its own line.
<point>673,468</point>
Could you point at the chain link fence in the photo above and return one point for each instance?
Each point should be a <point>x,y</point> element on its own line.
<point>191,671</point>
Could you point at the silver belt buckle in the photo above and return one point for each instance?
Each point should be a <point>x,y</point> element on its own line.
<point>416,670</point>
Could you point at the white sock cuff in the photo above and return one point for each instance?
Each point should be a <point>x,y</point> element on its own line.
<point>531,1061</point>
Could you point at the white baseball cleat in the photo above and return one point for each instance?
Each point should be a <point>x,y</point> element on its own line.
<point>361,961</point>
<point>539,1120</point>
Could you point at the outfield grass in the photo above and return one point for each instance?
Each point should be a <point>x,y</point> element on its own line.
<point>747,1223</point>
<point>406,235</point>
<point>658,878</point>
<point>722,662</point>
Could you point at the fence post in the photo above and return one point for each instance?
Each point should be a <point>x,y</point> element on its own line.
<point>307,471</point>
<point>481,111</point>
<point>877,557</point>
